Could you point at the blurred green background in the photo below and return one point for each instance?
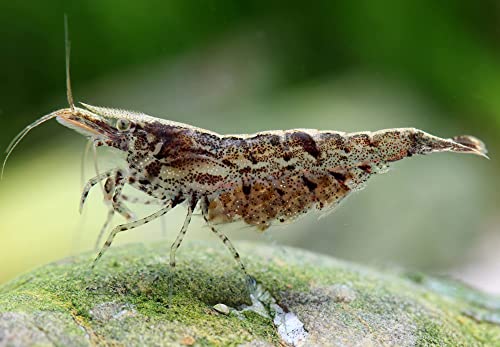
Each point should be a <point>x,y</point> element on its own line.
<point>244,66</point>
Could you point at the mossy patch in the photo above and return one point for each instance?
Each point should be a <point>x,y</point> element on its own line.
<point>125,301</point>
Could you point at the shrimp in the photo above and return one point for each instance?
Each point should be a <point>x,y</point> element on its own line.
<point>262,179</point>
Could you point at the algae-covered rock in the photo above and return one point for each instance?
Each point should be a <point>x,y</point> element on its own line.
<point>302,299</point>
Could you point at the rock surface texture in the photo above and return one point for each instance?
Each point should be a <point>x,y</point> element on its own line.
<point>302,299</point>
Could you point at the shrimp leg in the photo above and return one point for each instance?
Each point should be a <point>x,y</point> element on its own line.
<point>129,226</point>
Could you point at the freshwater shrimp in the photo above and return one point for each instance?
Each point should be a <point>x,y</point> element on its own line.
<point>262,179</point>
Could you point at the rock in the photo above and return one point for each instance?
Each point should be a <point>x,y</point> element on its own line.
<point>221,308</point>
<point>125,301</point>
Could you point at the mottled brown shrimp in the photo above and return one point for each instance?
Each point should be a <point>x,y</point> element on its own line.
<point>262,179</point>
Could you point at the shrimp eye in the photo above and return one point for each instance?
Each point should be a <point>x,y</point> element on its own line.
<point>123,124</point>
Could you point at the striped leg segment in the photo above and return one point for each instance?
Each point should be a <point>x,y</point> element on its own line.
<point>224,239</point>
<point>112,188</point>
<point>180,237</point>
<point>92,182</point>
<point>229,246</point>
<point>113,192</point>
<point>117,200</point>
<point>105,226</point>
<point>129,226</point>
<point>148,202</point>
<point>142,201</point>
<point>174,247</point>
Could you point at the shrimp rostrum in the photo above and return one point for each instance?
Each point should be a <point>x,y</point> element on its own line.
<point>262,179</point>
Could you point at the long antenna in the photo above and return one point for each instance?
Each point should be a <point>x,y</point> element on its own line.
<point>67,45</point>
<point>45,118</point>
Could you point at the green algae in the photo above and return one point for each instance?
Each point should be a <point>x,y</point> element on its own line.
<point>125,301</point>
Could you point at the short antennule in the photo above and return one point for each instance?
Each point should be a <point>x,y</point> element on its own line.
<point>67,45</point>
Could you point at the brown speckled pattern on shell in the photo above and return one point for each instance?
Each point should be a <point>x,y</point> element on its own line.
<point>268,177</point>
<point>273,176</point>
